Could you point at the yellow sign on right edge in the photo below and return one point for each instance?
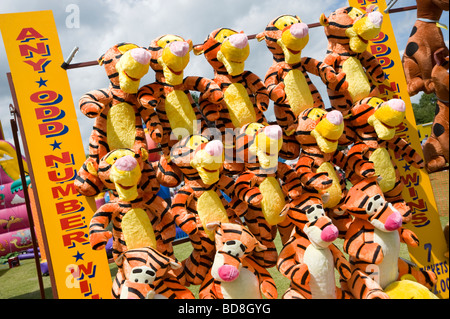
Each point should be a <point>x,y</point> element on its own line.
<point>417,192</point>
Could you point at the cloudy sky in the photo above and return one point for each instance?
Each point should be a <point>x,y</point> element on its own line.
<point>103,23</point>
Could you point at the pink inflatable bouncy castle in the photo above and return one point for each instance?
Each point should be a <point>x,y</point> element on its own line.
<point>14,224</point>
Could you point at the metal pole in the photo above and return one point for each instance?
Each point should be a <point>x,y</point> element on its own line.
<point>27,200</point>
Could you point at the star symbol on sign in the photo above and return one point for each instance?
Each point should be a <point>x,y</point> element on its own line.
<point>55,145</point>
<point>78,256</point>
<point>42,82</point>
<point>407,167</point>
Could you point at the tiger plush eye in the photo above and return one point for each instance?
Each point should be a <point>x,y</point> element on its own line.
<point>284,21</point>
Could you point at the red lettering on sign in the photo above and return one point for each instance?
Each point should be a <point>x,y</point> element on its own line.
<point>51,160</point>
<point>59,191</point>
<point>27,34</point>
<point>70,222</point>
<point>69,239</point>
<point>27,50</point>
<point>68,206</point>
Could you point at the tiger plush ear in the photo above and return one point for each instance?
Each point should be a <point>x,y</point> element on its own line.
<point>100,60</point>
<point>212,226</point>
<point>261,36</point>
<point>198,49</point>
<point>323,20</point>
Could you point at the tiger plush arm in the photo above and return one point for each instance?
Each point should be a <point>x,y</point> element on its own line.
<point>98,235</point>
<point>266,283</point>
<point>274,86</point>
<point>165,216</point>
<point>356,163</point>
<point>291,182</point>
<point>152,123</point>
<point>93,102</point>
<point>329,77</point>
<point>290,267</point>
<point>185,220</point>
<point>258,88</point>
<point>150,95</point>
<point>341,263</point>
<point>310,179</point>
<point>246,192</point>
<point>210,95</point>
<point>372,66</point>
<point>401,147</point>
<point>359,243</point>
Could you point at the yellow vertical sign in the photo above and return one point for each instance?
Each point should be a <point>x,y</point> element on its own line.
<point>417,191</point>
<point>55,152</point>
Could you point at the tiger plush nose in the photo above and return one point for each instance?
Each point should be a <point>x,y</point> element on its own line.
<point>394,221</point>
<point>329,233</point>
<point>376,18</point>
<point>335,117</point>
<point>140,55</point>
<point>126,163</point>
<point>214,148</point>
<point>179,48</point>
<point>238,40</point>
<point>273,132</point>
<point>299,30</point>
<point>228,272</point>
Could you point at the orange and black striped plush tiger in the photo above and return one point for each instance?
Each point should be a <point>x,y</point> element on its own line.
<point>234,273</point>
<point>309,258</point>
<point>118,116</point>
<point>143,273</point>
<point>287,80</point>
<point>371,126</point>
<point>200,200</point>
<point>348,31</point>
<point>266,185</point>
<point>245,95</point>
<point>373,241</point>
<point>318,133</point>
<point>170,94</point>
<point>140,218</point>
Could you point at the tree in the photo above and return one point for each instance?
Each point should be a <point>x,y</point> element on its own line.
<point>424,112</point>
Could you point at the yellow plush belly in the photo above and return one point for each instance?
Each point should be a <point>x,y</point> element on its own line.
<point>273,200</point>
<point>180,113</point>
<point>240,108</point>
<point>210,209</point>
<point>334,191</point>
<point>358,83</point>
<point>137,229</point>
<point>384,168</point>
<point>297,91</point>
<point>121,126</point>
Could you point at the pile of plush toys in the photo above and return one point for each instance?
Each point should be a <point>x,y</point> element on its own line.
<point>235,193</point>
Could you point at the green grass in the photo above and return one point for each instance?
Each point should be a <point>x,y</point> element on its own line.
<point>21,282</point>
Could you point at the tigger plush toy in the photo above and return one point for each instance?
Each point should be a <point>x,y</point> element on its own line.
<point>143,274</point>
<point>318,133</point>
<point>118,116</point>
<point>348,31</point>
<point>309,258</point>
<point>140,218</point>
<point>266,185</point>
<point>435,149</point>
<point>170,94</point>
<point>287,80</point>
<point>200,201</point>
<point>373,242</point>
<point>234,273</point>
<point>371,126</point>
<point>425,40</point>
<point>245,95</point>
